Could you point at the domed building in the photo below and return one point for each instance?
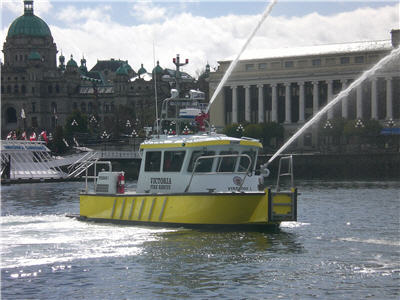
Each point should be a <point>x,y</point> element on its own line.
<point>47,94</point>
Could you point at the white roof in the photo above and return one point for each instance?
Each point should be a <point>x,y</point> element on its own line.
<point>317,50</point>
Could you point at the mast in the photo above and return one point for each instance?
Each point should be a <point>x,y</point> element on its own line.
<point>178,77</point>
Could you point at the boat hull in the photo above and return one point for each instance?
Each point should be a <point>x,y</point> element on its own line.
<point>256,208</point>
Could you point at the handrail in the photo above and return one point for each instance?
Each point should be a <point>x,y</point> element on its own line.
<point>220,156</point>
<point>289,171</point>
<point>94,177</point>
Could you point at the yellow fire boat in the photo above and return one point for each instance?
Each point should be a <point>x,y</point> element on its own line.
<point>200,179</point>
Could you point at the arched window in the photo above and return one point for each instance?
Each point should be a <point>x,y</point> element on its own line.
<point>23,89</point>
<point>11,115</point>
<point>83,107</point>
<point>16,89</point>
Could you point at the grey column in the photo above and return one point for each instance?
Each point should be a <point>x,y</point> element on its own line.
<point>288,102</point>
<point>345,109</point>
<point>330,98</point>
<point>274,106</point>
<point>247,105</point>
<point>374,98</point>
<point>234,104</point>
<point>261,109</point>
<point>315,98</point>
<point>359,106</point>
<point>302,103</point>
<point>389,98</point>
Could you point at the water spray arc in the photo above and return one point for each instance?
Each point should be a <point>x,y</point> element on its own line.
<point>235,61</point>
<point>395,53</point>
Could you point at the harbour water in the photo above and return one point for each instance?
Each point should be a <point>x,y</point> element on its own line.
<point>345,245</point>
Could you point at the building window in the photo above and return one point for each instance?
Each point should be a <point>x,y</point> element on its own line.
<point>90,107</point>
<point>23,89</point>
<point>316,62</point>
<point>289,64</point>
<point>359,59</point>
<point>50,89</point>
<point>262,66</point>
<point>249,67</point>
<point>57,88</point>
<point>16,57</point>
<point>83,107</point>
<point>33,90</point>
<point>33,107</point>
<point>16,89</point>
<point>344,60</point>
<point>34,122</point>
<point>8,89</point>
<point>331,61</point>
<point>75,106</point>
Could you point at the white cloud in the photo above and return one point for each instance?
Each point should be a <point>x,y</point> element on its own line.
<point>71,14</point>
<point>41,7</point>
<point>148,12</point>
<point>94,34</point>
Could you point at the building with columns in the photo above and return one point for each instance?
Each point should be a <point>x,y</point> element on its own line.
<point>289,86</point>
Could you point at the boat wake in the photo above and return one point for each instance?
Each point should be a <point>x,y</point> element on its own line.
<point>54,239</point>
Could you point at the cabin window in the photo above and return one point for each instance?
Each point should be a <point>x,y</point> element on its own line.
<point>203,165</point>
<point>173,161</point>
<point>227,164</point>
<point>244,161</point>
<point>153,161</point>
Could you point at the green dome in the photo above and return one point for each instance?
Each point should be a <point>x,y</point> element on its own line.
<point>34,56</point>
<point>157,69</point>
<point>29,25</point>
<point>142,70</point>
<point>72,63</point>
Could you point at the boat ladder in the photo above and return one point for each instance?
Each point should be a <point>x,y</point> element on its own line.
<point>289,171</point>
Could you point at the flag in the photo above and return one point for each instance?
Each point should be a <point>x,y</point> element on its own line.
<point>23,136</point>
<point>32,137</point>
<point>44,135</point>
<point>9,136</point>
<point>23,114</point>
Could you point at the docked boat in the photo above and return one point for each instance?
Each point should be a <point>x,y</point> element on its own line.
<point>192,177</point>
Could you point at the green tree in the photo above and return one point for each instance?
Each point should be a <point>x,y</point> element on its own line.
<point>271,131</point>
<point>57,144</point>
<point>76,123</point>
<point>253,131</point>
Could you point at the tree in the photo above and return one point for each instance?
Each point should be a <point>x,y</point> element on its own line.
<point>271,131</point>
<point>57,144</point>
<point>76,123</point>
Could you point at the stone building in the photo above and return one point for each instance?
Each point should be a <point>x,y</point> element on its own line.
<point>289,86</point>
<point>47,92</point>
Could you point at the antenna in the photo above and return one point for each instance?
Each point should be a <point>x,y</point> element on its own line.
<point>155,85</point>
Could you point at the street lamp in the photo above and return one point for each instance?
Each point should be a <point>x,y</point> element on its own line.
<point>104,136</point>
<point>240,129</point>
<point>128,124</point>
<point>359,124</point>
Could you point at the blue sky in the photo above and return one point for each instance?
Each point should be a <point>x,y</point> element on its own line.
<point>205,31</point>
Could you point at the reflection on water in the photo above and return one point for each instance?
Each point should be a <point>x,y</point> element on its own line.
<point>345,245</point>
